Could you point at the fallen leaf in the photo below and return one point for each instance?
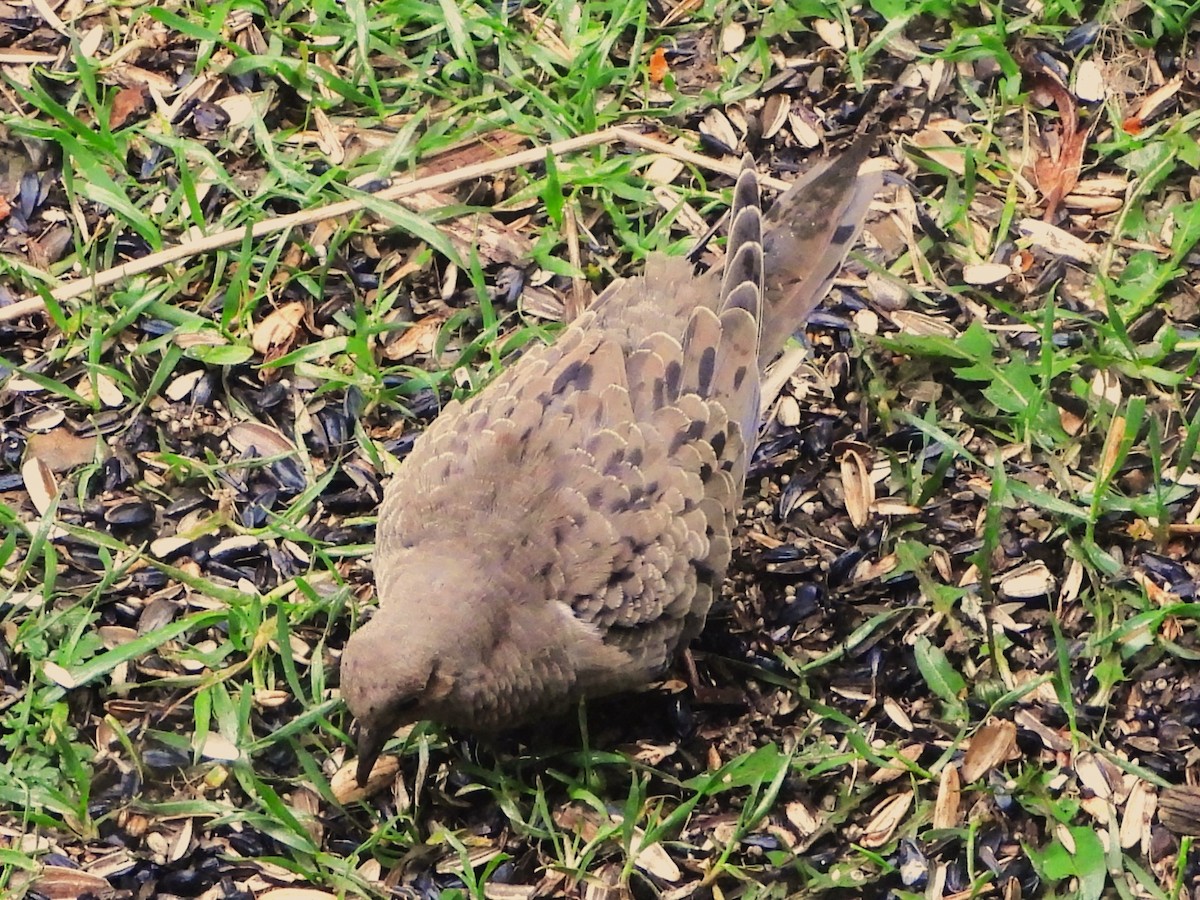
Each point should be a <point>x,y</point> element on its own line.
<point>128,102</point>
<point>1057,167</point>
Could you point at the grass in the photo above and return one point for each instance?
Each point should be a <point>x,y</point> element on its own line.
<point>1046,419</point>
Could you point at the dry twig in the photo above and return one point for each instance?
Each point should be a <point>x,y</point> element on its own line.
<point>398,189</point>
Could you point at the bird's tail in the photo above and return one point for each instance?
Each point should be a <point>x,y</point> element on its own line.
<point>804,238</point>
<point>742,281</point>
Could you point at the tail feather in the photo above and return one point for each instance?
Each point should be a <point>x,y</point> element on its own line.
<point>806,235</point>
<point>742,280</point>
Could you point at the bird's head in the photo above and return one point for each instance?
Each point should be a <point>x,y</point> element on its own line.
<point>384,679</point>
<point>401,664</point>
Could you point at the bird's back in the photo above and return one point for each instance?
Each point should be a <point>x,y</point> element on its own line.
<point>594,484</point>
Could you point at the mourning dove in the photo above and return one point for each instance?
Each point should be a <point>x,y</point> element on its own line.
<point>562,533</point>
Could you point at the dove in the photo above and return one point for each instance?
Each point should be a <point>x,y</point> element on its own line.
<point>563,533</point>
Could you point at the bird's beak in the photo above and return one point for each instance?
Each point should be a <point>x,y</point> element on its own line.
<point>370,743</point>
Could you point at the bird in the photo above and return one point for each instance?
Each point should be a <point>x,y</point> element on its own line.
<point>563,533</point>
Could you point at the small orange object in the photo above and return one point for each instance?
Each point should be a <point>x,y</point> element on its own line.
<point>658,66</point>
<point>1132,125</point>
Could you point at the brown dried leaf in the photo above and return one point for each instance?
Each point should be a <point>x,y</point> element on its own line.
<point>685,214</point>
<point>116,635</point>
<point>1157,100</point>
<point>481,234</point>
<point>1057,167</point>
<point>328,140</point>
<point>16,57</point>
<point>205,337</point>
<point>545,32</point>
<point>1112,449</point>
<point>1071,423</point>
<point>941,148</point>
<point>651,858</point>
<point>1097,206</point>
<point>135,76</point>
<point>128,102</point>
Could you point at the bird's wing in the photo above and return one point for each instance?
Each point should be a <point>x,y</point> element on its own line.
<point>806,235</point>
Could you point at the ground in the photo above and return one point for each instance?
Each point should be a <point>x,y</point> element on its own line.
<point>957,651</point>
